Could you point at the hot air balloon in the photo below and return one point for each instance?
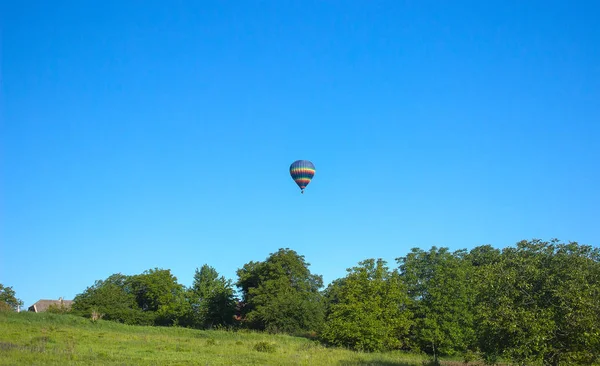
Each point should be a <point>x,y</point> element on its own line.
<point>302,171</point>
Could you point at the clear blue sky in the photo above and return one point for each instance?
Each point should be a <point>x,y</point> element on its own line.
<point>143,134</point>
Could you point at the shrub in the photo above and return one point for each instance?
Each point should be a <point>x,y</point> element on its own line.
<point>58,309</point>
<point>5,307</point>
<point>264,346</point>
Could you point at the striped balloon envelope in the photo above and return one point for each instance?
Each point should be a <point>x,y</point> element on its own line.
<point>302,171</point>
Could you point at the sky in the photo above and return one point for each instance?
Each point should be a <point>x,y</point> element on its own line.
<point>159,134</point>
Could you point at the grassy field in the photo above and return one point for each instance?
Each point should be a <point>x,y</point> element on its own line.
<point>48,339</point>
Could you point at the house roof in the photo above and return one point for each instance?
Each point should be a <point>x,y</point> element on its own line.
<point>43,305</point>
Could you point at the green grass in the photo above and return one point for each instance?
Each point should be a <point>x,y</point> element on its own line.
<point>48,339</point>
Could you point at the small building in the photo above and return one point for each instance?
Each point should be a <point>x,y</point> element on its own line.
<point>43,305</point>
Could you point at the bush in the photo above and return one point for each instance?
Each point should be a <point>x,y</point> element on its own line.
<point>264,346</point>
<point>5,307</point>
<point>56,309</point>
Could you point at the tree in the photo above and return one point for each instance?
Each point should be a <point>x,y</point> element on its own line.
<point>367,310</point>
<point>212,299</point>
<point>573,295</point>
<point>153,297</point>
<point>539,303</point>
<point>280,294</point>
<point>114,300</point>
<point>8,298</point>
<point>157,291</point>
<point>442,300</point>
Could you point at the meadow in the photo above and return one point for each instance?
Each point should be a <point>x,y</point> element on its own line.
<point>52,339</point>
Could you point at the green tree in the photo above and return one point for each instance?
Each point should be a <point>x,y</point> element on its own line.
<point>539,303</point>
<point>280,294</point>
<point>8,298</point>
<point>367,310</point>
<point>113,299</point>
<point>212,299</point>
<point>153,297</point>
<point>157,291</point>
<point>438,283</point>
<point>573,285</point>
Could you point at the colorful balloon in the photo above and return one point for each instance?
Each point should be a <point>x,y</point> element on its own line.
<point>302,171</point>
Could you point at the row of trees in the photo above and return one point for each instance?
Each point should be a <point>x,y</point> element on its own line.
<point>537,302</point>
<point>156,298</point>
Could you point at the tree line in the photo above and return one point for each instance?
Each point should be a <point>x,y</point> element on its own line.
<point>535,302</point>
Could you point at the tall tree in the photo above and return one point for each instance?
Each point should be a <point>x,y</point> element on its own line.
<point>368,309</point>
<point>212,298</point>
<point>281,294</point>
<point>442,300</point>
<point>157,290</point>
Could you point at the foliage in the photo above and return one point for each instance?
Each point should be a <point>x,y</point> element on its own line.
<point>58,309</point>
<point>8,298</point>
<point>114,299</point>
<point>535,303</point>
<point>539,303</point>
<point>153,297</point>
<point>211,299</point>
<point>442,300</point>
<point>368,309</point>
<point>5,307</point>
<point>280,294</point>
<point>156,290</point>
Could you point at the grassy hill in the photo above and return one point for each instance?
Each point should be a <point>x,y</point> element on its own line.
<point>47,339</point>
